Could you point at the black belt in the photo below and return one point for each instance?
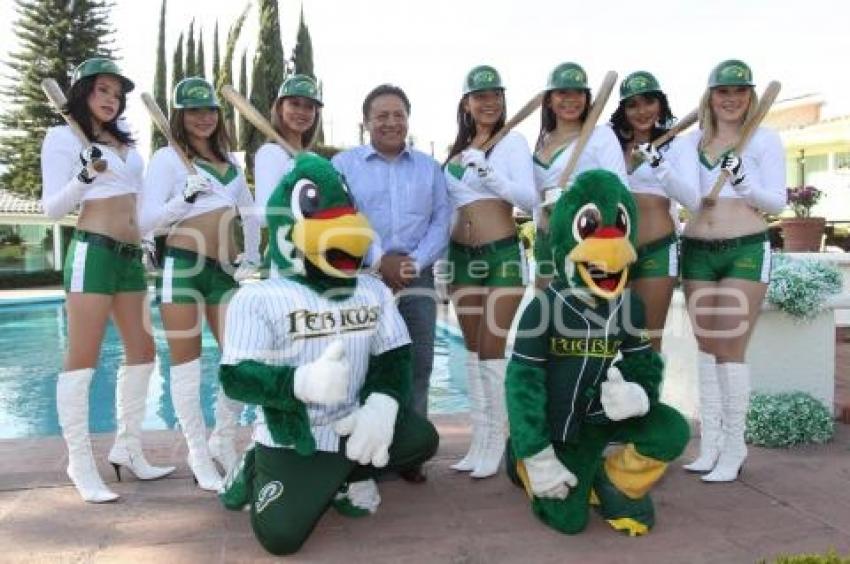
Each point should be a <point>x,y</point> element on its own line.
<point>128,250</point>
<point>652,246</point>
<point>478,250</point>
<point>724,244</point>
<point>193,256</point>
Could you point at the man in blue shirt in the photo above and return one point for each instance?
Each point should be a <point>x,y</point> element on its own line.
<point>403,193</point>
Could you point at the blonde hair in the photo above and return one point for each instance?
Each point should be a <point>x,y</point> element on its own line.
<point>708,121</point>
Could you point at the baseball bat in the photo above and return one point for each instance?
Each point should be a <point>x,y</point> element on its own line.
<point>57,98</point>
<point>747,131</point>
<point>257,119</point>
<point>517,118</point>
<point>164,127</point>
<point>602,95</point>
<point>677,128</point>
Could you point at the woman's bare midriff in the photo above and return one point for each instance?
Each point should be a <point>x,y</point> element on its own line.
<point>114,217</point>
<point>728,218</point>
<point>483,221</point>
<point>654,221</point>
<point>209,234</point>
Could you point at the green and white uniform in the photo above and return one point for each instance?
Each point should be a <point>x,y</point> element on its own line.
<point>746,257</point>
<point>601,151</point>
<point>95,263</point>
<point>186,276</point>
<point>502,262</point>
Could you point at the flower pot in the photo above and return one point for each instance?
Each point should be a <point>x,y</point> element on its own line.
<point>802,234</point>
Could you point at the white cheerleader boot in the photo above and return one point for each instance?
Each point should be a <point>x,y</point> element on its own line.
<point>72,404</point>
<point>710,409</point>
<point>222,441</point>
<point>493,375</point>
<point>185,394</point>
<point>130,396</point>
<point>477,414</point>
<point>735,383</point>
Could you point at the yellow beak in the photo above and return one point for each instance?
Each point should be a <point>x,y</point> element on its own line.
<point>349,233</point>
<point>603,264</point>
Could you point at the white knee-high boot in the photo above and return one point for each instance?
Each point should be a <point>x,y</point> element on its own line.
<point>711,408</point>
<point>477,414</point>
<point>186,396</point>
<point>130,396</point>
<point>493,376</point>
<point>222,443</point>
<point>72,404</point>
<point>735,384</point>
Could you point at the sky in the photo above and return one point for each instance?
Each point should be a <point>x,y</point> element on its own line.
<point>427,48</point>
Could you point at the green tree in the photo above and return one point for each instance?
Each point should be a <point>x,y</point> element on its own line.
<point>201,60</point>
<point>266,75</point>
<point>160,84</point>
<point>53,38</point>
<point>303,53</point>
<point>243,87</point>
<point>177,73</point>
<point>216,62</point>
<point>191,67</point>
<point>226,70</point>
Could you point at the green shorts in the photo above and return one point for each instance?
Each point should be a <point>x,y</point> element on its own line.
<point>498,263</point>
<point>544,261</point>
<point>97,264</point>
<point>657,259</point>
<point>190,278</point>
<point>745,258</point>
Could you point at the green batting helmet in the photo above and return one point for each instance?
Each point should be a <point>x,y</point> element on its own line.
<point>101,65</point>
<point>300,85</point>
<point>731,73</point>
<point>194,92</point>
<point>482,77</point>
<point>639,82</point>
<point>567,76</point>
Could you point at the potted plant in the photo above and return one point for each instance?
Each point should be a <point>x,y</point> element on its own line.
<point>803,233</point>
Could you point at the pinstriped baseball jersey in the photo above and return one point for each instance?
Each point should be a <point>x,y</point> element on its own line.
<point>281,322</point>
<point>574,340</point>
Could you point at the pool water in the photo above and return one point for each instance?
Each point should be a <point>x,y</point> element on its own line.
<point>33,338</point>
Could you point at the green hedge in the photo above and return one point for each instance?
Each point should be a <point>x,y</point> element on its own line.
<point>30,279</point>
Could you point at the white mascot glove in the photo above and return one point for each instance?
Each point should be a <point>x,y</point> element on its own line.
<point>621,399</point>
<point>194,187</point>
<point>650,154</point>
<point>549,478</point>
<point>370,430</point>
<point>325,380</point>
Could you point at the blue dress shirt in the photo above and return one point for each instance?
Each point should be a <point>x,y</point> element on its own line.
<point>405,200</point>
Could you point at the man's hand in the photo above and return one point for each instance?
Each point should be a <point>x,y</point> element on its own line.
<point>548,477</point>
<point>397,271</point>
<point>621,399</point>
<point>325,380</point>
<point>370,430</point>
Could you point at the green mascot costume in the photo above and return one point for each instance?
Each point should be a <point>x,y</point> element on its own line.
<point>325,354</point>
<point>568,400</point>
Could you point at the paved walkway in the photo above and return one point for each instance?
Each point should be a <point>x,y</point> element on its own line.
<point>787,501</point>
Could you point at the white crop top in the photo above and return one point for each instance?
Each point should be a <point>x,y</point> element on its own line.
<point>763,164</point>
<point>677,177</point>
<point>165,178</point>
<point>60,163</point>
<point>271,164</point>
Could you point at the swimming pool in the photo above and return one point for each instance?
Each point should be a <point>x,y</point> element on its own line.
<point>33,339</point>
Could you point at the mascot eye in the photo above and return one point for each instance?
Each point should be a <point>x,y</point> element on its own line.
<point>586,222</point>
<point>623,223</point>
<point>305,199</point>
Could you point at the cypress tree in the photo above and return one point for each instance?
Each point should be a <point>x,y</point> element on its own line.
<point>191,67</point>
<point>216,61</point>
<point>159,81</point>
<point>266,75</point>
<point>303,55</point>
<point>226,70</point>
<point>53,38</point>
<point>201,60</point>
<point>320,131</point>
<point>177,73</point>
<point>243,87</point>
